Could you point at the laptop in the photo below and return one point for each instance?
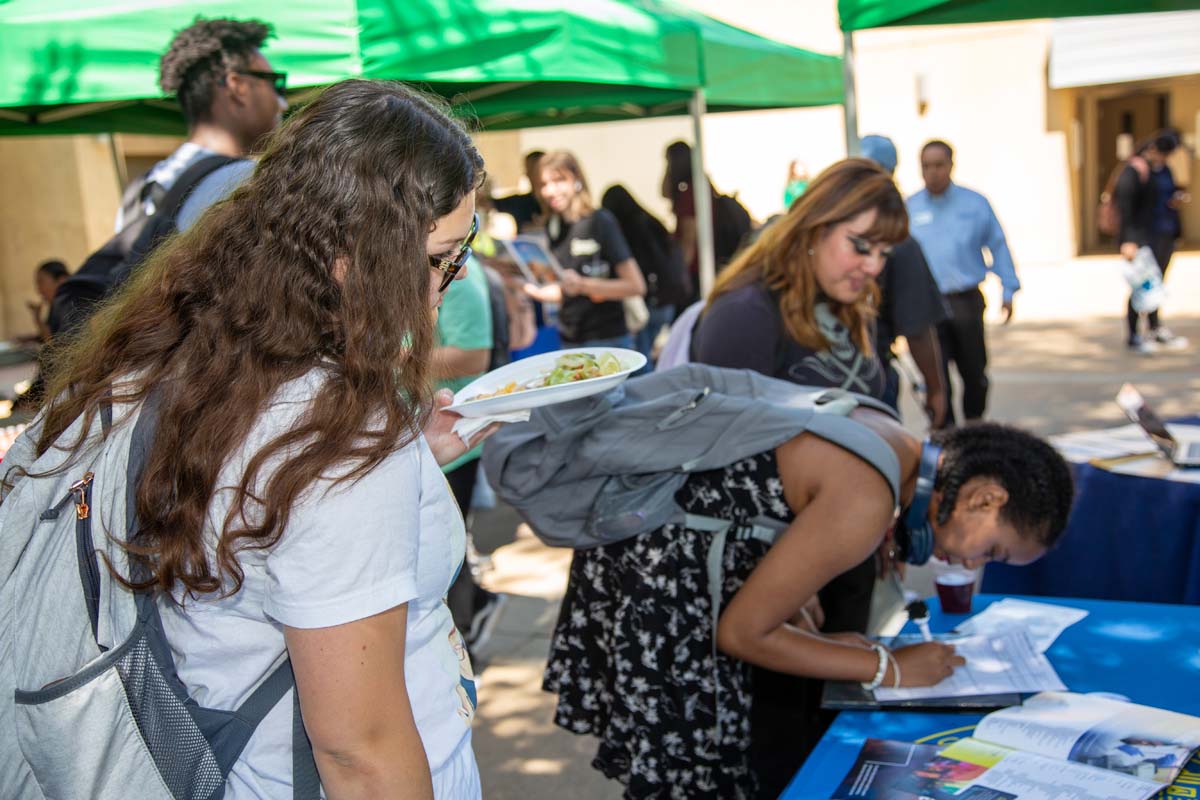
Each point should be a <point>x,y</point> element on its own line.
<point>1182,451</point>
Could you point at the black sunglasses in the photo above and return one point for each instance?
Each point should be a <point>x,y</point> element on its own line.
<point>276,79</point>
<point>449,267</point>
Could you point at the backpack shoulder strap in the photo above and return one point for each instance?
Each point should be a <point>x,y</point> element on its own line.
<point>165,216</point>
<point>187,181</point>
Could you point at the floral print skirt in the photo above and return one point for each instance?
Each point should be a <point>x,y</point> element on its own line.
<point>633,657</point>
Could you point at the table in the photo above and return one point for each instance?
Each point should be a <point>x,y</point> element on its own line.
<point>1147,652</point>
<point>1129,538</point>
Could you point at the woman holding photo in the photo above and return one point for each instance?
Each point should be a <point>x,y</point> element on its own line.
<point>598,270</point>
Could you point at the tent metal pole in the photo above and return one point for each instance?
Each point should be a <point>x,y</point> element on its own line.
<point>702,196</point>
<point>850,104</point>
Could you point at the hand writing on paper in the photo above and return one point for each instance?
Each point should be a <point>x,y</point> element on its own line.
<point>927,663</point>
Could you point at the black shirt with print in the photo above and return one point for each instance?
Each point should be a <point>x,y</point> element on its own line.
<point>592,246</point>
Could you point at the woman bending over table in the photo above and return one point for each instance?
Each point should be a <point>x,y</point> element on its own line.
<point>634,657</point>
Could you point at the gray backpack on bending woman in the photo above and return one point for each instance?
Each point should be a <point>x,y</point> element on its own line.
<point>90,702</point>
<point>606,467</point>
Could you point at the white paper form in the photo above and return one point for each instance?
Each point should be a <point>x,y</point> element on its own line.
<point>1083,446</point>
<point>995,665</point>
<point>1042,622</point>
<point>1032,777</point>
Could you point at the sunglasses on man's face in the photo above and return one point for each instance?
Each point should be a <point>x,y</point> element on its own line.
<point>449,267</point>
<point>276,79</point>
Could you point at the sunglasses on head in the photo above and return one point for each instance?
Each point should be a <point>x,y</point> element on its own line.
<point>276,79</point>
<point>449,267</point>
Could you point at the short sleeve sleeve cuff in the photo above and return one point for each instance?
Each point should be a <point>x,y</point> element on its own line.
<point>350,549</point>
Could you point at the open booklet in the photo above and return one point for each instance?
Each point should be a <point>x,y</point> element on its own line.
<point>1056,746</point>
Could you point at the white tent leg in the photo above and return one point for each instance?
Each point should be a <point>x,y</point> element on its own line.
<point>850,105</point>
<point>702,197</point>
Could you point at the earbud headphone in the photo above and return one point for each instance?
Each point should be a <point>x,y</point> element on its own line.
<point>914,533</point>
<point>578,186</point>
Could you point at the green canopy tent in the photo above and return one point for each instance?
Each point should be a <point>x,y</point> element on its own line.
<point>74,68</point>
<point>856,15</point>
<point>67,67</point>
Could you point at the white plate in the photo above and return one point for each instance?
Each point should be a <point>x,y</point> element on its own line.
<point>528,369</point>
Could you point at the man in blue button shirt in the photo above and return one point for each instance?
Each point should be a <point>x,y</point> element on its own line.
<point>954,226</point>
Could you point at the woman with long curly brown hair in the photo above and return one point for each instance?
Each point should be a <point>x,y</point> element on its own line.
<point>798,304</point>
<point>290,504</point>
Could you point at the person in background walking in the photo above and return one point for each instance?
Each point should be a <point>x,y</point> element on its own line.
<point>731,221</point>
<point>797,182</point>
<point>598,268</point>
<point>954,225</point>
<point>910,305</point>
<point>659,258</point>
<point>1148,201</point>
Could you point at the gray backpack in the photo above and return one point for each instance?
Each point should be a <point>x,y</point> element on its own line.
<point>606,468</point>
<point>90,702</point>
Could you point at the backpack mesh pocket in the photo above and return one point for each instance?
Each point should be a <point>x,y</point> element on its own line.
<point>183,756</point>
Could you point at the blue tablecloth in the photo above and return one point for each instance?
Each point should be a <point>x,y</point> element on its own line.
<point>1130,538</point>
<point>1148,652</point>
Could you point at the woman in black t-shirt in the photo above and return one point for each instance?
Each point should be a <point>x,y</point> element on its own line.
<point>598,270</point>
<point>798,304</point>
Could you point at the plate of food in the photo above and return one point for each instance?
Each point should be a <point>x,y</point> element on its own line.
<point>545,379</point>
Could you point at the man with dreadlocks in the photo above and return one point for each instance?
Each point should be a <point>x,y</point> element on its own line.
<point>231,100</point>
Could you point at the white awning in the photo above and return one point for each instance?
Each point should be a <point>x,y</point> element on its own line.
<point>1086,51</point>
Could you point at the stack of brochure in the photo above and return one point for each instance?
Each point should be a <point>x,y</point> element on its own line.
<point>1056,745</point>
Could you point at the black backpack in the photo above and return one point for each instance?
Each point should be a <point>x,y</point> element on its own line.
<point>109,267</point>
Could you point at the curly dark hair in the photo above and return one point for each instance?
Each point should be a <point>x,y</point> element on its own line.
<point>250,298</point>
<point>201,54</point>
<point>1034,474</point>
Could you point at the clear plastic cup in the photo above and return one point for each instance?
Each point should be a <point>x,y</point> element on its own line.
<point>955,587</point>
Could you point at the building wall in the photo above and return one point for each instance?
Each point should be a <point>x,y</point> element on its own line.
<point>58,199</point>
<point>983,89</point>
<point>984,92</point>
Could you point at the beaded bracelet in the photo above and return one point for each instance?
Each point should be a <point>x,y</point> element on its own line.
<point>881,671</point>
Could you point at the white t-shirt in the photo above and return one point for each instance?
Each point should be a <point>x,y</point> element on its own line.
<point>349,551</point>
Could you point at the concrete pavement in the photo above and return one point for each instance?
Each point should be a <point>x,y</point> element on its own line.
<point>1055,369</point>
